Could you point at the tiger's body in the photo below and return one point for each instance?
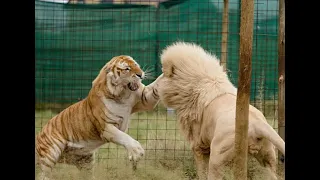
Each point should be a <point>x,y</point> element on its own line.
<point>73,136</point>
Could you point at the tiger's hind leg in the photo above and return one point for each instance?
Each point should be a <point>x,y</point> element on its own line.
<point>84,163</point>
<point>48,154</point>
<point>47,162</point>
<point>45,174</point>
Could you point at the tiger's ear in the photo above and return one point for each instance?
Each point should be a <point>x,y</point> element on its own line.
<point>96,79</point>
<point>105,70</point>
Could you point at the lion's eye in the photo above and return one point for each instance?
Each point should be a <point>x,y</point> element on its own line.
<point>128,69</point>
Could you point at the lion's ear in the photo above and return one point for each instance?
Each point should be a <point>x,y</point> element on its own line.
<point>167,70</point>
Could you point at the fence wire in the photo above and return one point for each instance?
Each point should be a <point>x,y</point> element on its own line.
<point>74,40</point>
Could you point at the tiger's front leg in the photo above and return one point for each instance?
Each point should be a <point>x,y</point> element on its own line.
<point>134,148</point>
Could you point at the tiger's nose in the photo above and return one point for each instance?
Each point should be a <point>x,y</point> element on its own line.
<point>140,76</point>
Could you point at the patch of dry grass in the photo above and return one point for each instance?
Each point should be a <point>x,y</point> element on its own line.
<point>167,154</point>
<point>119,169</point>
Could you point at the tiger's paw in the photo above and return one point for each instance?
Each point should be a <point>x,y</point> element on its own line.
<point>135,151</point>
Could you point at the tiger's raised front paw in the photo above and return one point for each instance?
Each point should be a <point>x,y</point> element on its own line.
<point>135,151</point>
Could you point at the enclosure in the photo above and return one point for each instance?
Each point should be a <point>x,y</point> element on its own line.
<point>73,41</point>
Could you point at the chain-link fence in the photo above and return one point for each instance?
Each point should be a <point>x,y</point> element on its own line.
<point>73,41</point>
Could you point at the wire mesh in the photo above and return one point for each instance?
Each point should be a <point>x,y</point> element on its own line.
<point>74,40</point>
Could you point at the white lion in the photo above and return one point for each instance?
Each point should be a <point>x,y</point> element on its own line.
<point>195,85</point>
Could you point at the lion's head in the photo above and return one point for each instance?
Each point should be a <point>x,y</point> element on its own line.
<point>121,71</point>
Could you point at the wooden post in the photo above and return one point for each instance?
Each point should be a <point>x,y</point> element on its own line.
<point>243,94</point>
<point>281,73</point>
<point>224,42</point>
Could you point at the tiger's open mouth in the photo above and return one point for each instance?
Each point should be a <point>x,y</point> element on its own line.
<point>133,86</point>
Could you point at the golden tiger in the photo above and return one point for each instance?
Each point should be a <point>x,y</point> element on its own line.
<point>74,134</point>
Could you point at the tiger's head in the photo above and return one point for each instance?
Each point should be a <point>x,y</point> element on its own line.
<point>121,72</point>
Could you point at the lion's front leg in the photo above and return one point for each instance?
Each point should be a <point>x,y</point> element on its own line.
<point>221,152</point>
<point>202,164</point>
<point>201,157</point>
<point>134,148</point>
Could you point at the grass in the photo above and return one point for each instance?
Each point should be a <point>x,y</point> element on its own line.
<point>167,154</point>
<point>118,169</point>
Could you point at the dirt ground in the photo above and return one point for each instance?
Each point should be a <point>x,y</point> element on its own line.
<point>154,170</point>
